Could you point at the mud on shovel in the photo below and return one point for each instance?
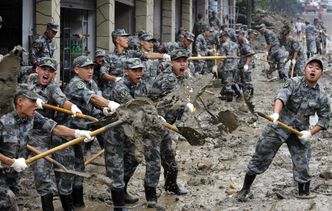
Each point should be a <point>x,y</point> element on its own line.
<point>61,168</point>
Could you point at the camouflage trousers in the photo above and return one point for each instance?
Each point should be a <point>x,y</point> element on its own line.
<point>201,67</point>
<point>277,62</point>
<point>168,154</point>
<point>7,197</point>
<point>121,161</point>
<point>72,158</point>
<point>268,145</point>
<point>311,47</point>
<point>244,78</point>
<point>42,173</point>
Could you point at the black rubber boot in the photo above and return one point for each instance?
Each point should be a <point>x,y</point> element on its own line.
<point>118,198</point>
<point>151,198</point>
<point>304,191</point>
<point>67,202</point>
<point>171,184</point>
<point>248,180</point>
<point>77,196</point>
<point>129,199</point>
<point>301,188</point>
<point>47,202</point>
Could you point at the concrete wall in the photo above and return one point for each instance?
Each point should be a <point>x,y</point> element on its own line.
<point>104,24</point>
<point>168,20</point>
<point>144,15</point>
<point>46,11</point>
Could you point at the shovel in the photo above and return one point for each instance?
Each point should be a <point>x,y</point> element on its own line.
<point>290,129</point>
<point>292,70</point>
<point>78,115</point>
<point>61,168</point>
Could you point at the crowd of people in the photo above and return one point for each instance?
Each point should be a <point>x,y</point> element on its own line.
<point>142,66</point>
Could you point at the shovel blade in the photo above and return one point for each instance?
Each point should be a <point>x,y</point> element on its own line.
<point>192,136</point>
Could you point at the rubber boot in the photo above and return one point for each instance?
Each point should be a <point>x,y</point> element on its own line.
<point>77,196</point>
<point>304,191</point>
<point>151,198</point>
<point>129,199</point>
<point>47,202</point>
<point>171,184</point>
<point>248,180</point>
<point>118,198</point>
<point>67,202</point>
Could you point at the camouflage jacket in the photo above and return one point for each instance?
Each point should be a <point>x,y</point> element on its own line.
<point>14,132</point>
<point>42,47</point>
<point>229,48</point>
<point>245,50</point>
<point>201,45</point>
<point>150,72</point>
<point>293,46</point>
<point>164,83</point>
<point>272,39</point>
<point>301,101</point>
<point>80,92</point>
<point>125,91</point>
<point>310,32</point>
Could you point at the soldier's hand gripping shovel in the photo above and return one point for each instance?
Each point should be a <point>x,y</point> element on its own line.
<point>61,168</point>
<point>78,115</point>
<point>290,129</point>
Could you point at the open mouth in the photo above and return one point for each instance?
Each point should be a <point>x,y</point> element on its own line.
<point>45,79</point>
<point>312,74</point>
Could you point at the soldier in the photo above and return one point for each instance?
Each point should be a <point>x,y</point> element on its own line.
<point>310,34</point>
<point>318,35</point>
<point>201,50</point>
<point>99,64</point>
<point>275,55</point>
<point>215,19</point>
<point>165,83</point>
<point>151,67</point>
<point>14,129</point>
<point>296,54</point>
<point>120,151</point>
<point>84,92</point>
<point>228,67</point>
<point>44,45</point>
<point>117,60</point>
<point>297,100</point>
<point>199,25</point>
<point>231,32</point>
<point>246,53</point>
<point>49,92</point>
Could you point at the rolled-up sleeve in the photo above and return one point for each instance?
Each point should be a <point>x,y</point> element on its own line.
<point>44,123</point>
<point>324,113</point>
<point>285,92</point>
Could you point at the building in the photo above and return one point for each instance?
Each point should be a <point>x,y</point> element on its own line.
<point>87,24</point>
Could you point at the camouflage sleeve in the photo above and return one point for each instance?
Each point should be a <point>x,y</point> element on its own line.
<point>37,45</point>
<point>57,95</point>
<point>223,50</point>
<point>121,95</point>
<point>296,46</point>
<point>198,44</point>
<point>136,54</point>
<point>286,91</point>
<point>79,92</point>
<point>102,71</point>
<point>44,123</point>
<point>324,113</point>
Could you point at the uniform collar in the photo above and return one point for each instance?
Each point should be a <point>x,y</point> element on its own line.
<point>127,82</point>
<point>19,119</point>
<point>307,85</point>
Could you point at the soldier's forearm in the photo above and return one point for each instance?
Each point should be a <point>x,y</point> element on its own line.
<point>277,106</point>
<point>99,101</point>
<point>315,129</point>
<point>67,105</point>
<point>61,130</point>
<point>109,77</point>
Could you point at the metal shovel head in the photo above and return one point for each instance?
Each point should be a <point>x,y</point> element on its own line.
<point>192,136</point>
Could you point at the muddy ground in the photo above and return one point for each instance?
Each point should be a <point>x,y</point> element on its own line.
<point>214,172</point>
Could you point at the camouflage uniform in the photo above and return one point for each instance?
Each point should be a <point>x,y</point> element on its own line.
<point>229,67</point>
<point>120,158</point>
<point>53,95</point>
<point>293,46</point>
<point>201,49</point>
<point>318,37</point>
<point>97,76</point>
<point>245,76</point>
<point>42,47</point>
<point>300,101</point>
<point>277,56</point>
<point>310,34</point>
<point>14,132</point>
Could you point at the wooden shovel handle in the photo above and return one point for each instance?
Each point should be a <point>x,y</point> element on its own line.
<point>74,141</point>
<point>298,133</point>
<point>78,115</point>
<point>94,157</point>
<point>6,160</point>
<point>171,127</point>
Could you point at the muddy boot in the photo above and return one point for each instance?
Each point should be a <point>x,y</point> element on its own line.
<point>67,202</point>
<point>171,184</point>
<point>151,198</point>
<point>304,191</point>
<point>248,180</point>
<point>129,199</point>
<point>47,202</point>
<point>77,196</point>
<point>118,198</point>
